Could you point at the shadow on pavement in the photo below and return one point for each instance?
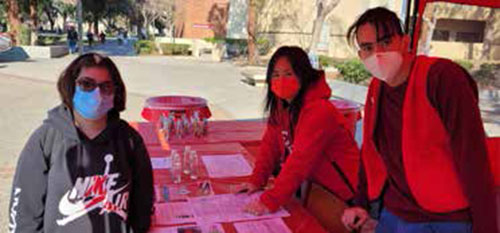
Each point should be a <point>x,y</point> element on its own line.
<point>112,48</point>
<point>14,54</point>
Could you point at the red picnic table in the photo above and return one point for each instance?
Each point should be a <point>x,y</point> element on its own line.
<point>223,138</point>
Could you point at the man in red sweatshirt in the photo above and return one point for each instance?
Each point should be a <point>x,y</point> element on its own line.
<point>424,148</point>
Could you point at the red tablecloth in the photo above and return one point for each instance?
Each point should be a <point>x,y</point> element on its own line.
<point>299,221</point>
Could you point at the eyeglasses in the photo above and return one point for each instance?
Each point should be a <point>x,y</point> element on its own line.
<point>89,85</point>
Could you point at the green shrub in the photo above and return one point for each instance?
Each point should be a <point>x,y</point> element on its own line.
<point>263,45</point>
<point>488,75</point>
<point>326,61</point>
<point>145,47</point>
<point>240,44</point>
<point>175,49</point>
<point>353,71</point>
<point>24,35</point>
<point>466,64</point>
<point>214,40</point>
<point>48,40</point>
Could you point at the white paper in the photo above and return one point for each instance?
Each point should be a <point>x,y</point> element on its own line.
<point>210,228</point>
<point>227,208</point>
<point>173,213</point>
<point>221,166</point>
<point>161,163</point>
<point>275,225</point>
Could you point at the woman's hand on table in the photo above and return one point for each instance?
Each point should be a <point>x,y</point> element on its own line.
<point>256,208</point>
<point>247,188</point>
<point>354,218</point>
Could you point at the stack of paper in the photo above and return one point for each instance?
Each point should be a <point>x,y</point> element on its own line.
<point>161,163</point>
<point>173,213</point>
<point>227,208</point>
<point>275,225</point>
<point>221,166</point>
<point>211,228</point>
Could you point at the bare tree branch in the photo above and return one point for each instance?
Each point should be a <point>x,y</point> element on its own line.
<point>324,8</point>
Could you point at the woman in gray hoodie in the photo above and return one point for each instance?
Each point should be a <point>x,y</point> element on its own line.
<point>84,169</point>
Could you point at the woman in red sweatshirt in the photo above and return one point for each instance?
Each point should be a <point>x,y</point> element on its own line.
<point>306,136</point>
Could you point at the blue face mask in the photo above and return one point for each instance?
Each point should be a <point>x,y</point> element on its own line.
<point>92,105</point>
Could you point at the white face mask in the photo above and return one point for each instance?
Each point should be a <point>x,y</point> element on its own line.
<point>384,65</point>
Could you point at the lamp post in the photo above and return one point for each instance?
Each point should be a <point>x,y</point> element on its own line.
<point>79,6</point>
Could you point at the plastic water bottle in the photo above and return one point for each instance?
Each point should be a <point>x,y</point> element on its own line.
<point>186,168</point>
<point>176,167</point>
<point>193,163</point>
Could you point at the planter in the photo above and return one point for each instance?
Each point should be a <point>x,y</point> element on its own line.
<point>218,52</point>
<point>331,72</point>
<point>46,51</point>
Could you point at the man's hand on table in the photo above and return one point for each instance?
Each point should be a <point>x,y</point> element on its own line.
<point>354,218</point>
<point>256,208</point>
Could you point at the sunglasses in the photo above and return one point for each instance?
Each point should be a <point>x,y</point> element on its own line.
<point>89,85</point>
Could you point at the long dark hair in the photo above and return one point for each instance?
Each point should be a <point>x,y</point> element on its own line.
<point>67,80</point>
<point>306,74</point>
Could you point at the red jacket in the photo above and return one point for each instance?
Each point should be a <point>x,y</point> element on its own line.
<point>320,138</point>
<point>427,155</point>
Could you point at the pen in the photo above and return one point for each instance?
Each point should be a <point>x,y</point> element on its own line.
<point>165,193</point>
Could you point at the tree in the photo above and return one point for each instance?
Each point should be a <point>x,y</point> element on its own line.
<point>153,10</point>
<point>167,17</point>
<point>13,20</point>
<point>489,34</point>
<point>115,9</point>
<point>94,10</point>
<point>324,8</point>
<point>217,18</point>
<point>252,19</point>
<point>252,38</point>
<point>430,20</point>
<point>34,20</point>
<point>50,12</point>
<point>3,15</point>
<point>66,10</point>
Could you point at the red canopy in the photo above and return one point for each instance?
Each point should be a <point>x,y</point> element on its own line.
<point>493,143</point>
<point>422,4</point>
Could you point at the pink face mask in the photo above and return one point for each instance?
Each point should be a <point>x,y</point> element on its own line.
<point>384,65</point>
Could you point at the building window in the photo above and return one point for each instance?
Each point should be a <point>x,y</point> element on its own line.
<point>441,35</point>
<point>470,37</point>
<point>459,30</point>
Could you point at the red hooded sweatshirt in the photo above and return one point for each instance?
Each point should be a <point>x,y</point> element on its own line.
<point>322,150</point>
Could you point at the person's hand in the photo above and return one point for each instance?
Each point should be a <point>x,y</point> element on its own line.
<point>248,188</point>
<point>256,208</point>
<point>353,218</point>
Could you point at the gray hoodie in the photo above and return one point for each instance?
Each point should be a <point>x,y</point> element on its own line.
<point>65,182</point>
